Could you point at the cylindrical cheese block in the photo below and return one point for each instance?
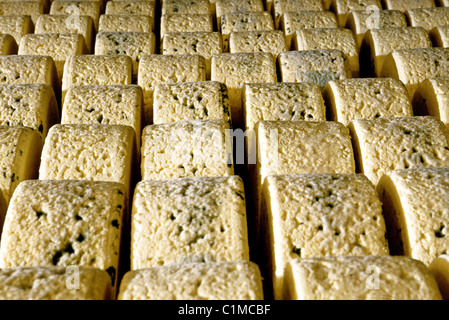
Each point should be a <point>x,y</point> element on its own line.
<point>256,41</point>
<point>378,43</point>
<point>428,18</point>
<point>188,22</point>
<point>32,8</point>
<point>367,98</point>
<point>317,66</point>
<point>342,8</point>
<point>293,21</point>
<point>126,22</point>
<point>217,281</point>
<point>330,39</point>
<point>282,6</point>
<point>233,6</point>
<point>16,25</point>
<point>404,5</point>
<point>412,66</point>
<point>416,212</point>
<point>325,215</point>
<point>360,278</point>
<point>360,21</point>
<point>72,9</point>
<point>431,98</point>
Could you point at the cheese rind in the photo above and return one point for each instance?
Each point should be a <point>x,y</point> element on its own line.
<point>126,22</point>
<point>343,8</point>
<point>294,21</point>
<point>237,69</point>
<point>156,69</point>
<point>96,70</point>
<point>256,41</point>
<point>417,223</point>
<point>214,281</point>
<point>244,21</point>
<point>58,46</point>
<point>186,23</point>
<point>27,7</point>
<point>284,101</point>
<point>378,44</point>
<point>314,215</point>
<point>191,220</point>
<point>330,39</point>
<point>367,98</point>
<point>413,66</point>
<point>317,66</point>
<point>133,44</point>
<point>360,21</point>
<point>21,149</point>
<point>54,283</point>
<point>90,152</point>
<point>131,7</point>
<point>61,23</point>
<point>75,8</point>
<point>186,149</point>
<point>202,100</point>
<point>360,278</point>
<point>439,269</point>
<point>64,223</point>
<point>428,18</point>
<point>233,6</point>
<point>282,6</point>
<point>431,99</point>
<point>16,25</point>
<point>108,104</point>
<point>388,144</point>
<point>185,7</point>
<point>404,5</point>
<point>29,105</point>
<point>205,44</point>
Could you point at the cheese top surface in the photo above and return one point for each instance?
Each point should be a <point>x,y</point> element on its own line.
<point>188,220</point>
<point>194,281</point>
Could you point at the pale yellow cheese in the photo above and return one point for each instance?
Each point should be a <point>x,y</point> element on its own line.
<point>96,70</point>
<point>284,101</point>
<point>428,18</point>
<point>205,44</point>
<point>132,44</point>
<point>440,36</point>
<point>239,280</point>
<point>92,152</point>
<point>366,98</point>
<point>315,215</point>
<point>20,149</point>
<point>16,25</point>
<point>74,8</point>
<point>185,7</point>
<point>360,278</point>
<point>317,66</point>
<point>417,212</point>
<point>178,221</point>
<point>403,5</point>
<point>413,66</point>
<point>237,69</point>
<point>233,6</point>
<point>30,105</point>
<point>106,104</point>
<point>360,21</point>
<point>55,283</point>
<point>379,43</point>
<point>188,22</point>
<point>197,148</point>
<point>131,7</point>
<point>126,22</point>
<point>184,101</point>
<point>165,68</point>
<point>64,223</point>
<point>330,39</point>
<point>258,41</point>
<point>387,144</point>
<point>282,6</point>
<point>32,8</point>
<point>343,8</point>
<point>58,46</point>
<point>431,98</point>
<point>293,21</point>
<point>61,23</point>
